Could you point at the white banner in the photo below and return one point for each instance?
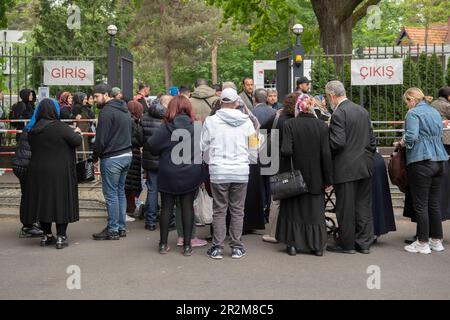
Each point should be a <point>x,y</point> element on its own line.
<point>69,73</point>
<point>377,72</point>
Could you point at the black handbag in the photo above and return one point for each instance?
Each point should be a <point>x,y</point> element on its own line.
<point>85,169</point>
<point>288,184</point>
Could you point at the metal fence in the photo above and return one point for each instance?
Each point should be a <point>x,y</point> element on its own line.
<point>21,68</point>
<point>426,67</point>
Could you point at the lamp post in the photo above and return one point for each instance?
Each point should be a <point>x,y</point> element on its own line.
<point>112,57</point>
<point>299,54</point>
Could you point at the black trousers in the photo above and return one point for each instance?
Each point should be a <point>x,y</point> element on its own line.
<point>425,179</point>
<point>187,214</point>
<point>21,174</point>
<point>61,228</point>
<point>354,214</point>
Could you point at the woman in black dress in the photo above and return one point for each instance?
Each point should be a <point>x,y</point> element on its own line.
<point>383,213</point>
<point>52,189</point>
<point>301,222</point>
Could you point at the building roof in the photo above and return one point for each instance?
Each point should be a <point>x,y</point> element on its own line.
<point>416,36</point>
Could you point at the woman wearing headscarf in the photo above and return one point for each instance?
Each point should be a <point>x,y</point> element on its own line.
<point>52,190</point>
<point>301,222</point>
<point>22,110</point>
<point>285,114</point>
<point>81,111</point>
<point>320,108</point>
<point>65,102</point>
<point>133,183</point>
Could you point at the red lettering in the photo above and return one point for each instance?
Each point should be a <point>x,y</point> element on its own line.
<point>69,72</point>
<point>55,73</point>
<point>82,74</point>
<point>363,72</point>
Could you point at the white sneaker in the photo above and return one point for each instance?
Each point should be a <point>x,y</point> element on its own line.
<point>129,219</point>
<point>436,245</point>
<point>416,247</point>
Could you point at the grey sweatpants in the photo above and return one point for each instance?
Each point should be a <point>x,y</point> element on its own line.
<point>228,196</point>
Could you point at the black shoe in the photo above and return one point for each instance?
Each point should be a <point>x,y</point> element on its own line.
<point>31,231</point>
<point>411,240</point>
<point>163,248</point>
<point>122,233</point>
<point>215,253</point>
<point>339,249</point>
<point>291,251</point>
<point>47,240</point>
<point>187,251</point>
<point>318,253</point>
<point>363,251</point>
<point>106,235</point>
<point>151,227</point>
<point>61,242</point>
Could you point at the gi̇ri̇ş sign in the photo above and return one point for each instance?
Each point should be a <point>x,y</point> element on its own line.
<point>69,73</point>
<point>377,72</point>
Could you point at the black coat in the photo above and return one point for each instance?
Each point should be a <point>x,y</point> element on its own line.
<point>306,139</point>
<point>176,178</point>
<point>23,109</point>
<point>352,143</point>
<point>285,164</point>
<point>52,188</point>
<point>113,136</point>
<point>151,121</point>
<point>133,181</point>
<point>23,152</point>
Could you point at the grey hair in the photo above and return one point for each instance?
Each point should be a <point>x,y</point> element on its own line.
<point>261,95</point>
<point>335,88</point>
<point>229,84</point>
<point>270,91</point>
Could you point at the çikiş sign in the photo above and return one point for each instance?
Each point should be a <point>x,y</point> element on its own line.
<point>69,73</point>
<point>377,72</point>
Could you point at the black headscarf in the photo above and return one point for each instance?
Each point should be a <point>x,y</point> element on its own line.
<point>78,98</point>
<point>47,114</point>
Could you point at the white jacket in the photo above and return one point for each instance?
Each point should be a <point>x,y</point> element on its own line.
<point>225,145</point>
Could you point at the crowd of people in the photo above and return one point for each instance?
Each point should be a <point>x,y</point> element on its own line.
<point>209,139</point>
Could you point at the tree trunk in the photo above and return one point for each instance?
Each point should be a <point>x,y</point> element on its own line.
<point>335,26</point>
<point>214,50</point>
<point>167,68</point>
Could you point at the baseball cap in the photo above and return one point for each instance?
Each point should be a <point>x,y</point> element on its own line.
<point>302,80</point>
<point>229,95</point>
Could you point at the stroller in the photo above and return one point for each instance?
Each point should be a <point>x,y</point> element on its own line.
<point>330,207</point>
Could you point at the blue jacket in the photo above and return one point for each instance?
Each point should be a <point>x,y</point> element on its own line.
<point>423,135</point>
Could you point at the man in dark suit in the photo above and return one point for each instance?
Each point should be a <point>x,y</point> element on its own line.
<point>352,144</point>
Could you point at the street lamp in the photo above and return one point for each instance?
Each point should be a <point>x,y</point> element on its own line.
<point>112,57</point>
<point>297,30</point>
<point>299,53</point>
<point>112,31</point>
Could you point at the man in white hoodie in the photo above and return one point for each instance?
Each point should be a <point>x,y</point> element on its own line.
<point>225,141</point>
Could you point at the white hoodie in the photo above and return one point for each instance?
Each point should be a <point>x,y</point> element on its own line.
<point>225,145</point>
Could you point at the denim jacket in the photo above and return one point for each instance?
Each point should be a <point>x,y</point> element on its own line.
<point>423,135</point>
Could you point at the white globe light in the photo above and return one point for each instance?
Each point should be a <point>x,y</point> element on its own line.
<point>297,29</point>
<point>112,30</point>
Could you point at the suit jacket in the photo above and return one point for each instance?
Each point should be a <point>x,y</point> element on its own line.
<point>249,103</point>
<point>352,143</point>
<point>305,138</point>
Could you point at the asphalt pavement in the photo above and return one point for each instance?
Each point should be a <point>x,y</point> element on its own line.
<point>132,269</point>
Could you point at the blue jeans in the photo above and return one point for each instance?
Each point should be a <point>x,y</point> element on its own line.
<point>151,203</point>
<point>114,174</point>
